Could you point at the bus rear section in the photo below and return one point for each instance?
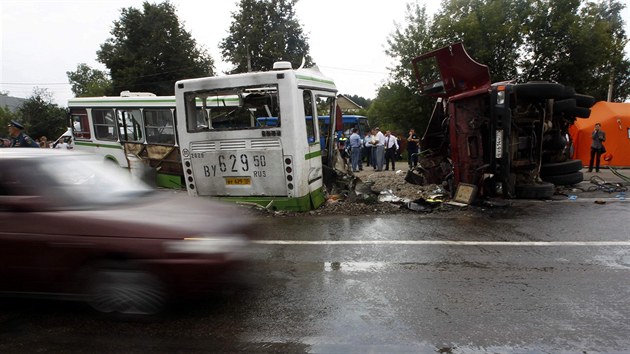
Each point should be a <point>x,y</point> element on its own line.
<point>251,137</point>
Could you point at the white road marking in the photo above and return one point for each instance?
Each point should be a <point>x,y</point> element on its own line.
<point>450,243</point>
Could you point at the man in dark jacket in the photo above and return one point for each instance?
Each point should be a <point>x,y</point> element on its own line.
<point>18,138</point>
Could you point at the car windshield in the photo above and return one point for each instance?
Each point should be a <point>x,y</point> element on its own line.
<point>77,181</point>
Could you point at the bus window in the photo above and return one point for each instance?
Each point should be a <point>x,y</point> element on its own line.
<point>81,127</point>
<point>129,125</point>
<point>104,124</point>
<point>233,109</point>
<point>307,98</point>
<point>159,126</point>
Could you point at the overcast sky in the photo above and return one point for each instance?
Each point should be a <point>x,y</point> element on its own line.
<point>43,39</point>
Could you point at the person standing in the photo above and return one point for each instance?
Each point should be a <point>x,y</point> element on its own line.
<point>391,146</point>
<point>412,148</point>
<point>43,142</point>
<point>380,149</point>
<point>367,147</point>
<point>18,138</point>
<point>355,150</point>
<point>597,148</point>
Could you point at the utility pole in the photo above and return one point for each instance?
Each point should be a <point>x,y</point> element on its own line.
<point>249,59</point>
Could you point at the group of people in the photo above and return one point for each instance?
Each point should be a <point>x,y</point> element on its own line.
<point>17,138</point>
<point>379,150</point>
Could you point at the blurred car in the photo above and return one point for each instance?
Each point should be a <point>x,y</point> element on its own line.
<point>75,227</point>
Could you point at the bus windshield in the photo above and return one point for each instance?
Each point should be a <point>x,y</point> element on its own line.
<point>232,109</point>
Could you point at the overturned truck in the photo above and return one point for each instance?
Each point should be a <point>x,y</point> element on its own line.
<point>505,139</point>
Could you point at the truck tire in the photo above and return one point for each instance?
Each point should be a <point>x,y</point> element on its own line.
<point>565,180</point>
<point>580,112</point>
<point>585,101</point>
<point>540,90</point>
<point>564,105</point>
<point>560,168</point>
<point>544,190</point>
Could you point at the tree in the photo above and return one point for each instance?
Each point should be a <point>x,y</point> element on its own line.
<point>577,43</point>
<point>5,118</point>
<point>88,82</point>
<point>263,32</point>
<point>150,50</point>
<point>398,105</point>
<point>490,29</point>
<point>398,108</point>
<point>41,117</point>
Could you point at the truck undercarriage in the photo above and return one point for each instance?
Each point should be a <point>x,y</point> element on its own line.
<point>507,139</point>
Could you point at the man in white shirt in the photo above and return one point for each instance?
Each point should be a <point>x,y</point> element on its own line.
<point>391,146</point>
<point>380,150</point>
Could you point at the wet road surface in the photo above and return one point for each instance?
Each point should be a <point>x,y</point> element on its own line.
<point>547,277</point>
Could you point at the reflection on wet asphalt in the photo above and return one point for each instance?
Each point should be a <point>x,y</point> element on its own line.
<point>334,297</point>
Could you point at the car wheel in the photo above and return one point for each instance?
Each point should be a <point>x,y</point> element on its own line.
<point>120,288</point>
<point>535,190</point>
<point>539,90</point>
<point>565,180</point>
<point>560,168</point>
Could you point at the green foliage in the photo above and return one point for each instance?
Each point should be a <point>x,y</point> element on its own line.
<point>5,117</point>
<point>150,50</point>
<point>490,29</point>
<point>361,101</point>
<point>41,117</point>
<point>88,82</point>
<point>578,43</point>
<point>398,108</point>
<point>263,32</point>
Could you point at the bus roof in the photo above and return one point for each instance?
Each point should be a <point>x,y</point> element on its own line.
<point>118,101</point>
<point>305,77</point>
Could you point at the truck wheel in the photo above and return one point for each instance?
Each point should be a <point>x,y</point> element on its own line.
<point>543,190</point>
<point>585,101</point>
<point>580,112</point>
<point>564,105</point>
<point>560,168</point>
<point>539,90</point>
<point>565,180</point>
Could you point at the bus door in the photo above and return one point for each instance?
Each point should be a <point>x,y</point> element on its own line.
<point>314,152</point>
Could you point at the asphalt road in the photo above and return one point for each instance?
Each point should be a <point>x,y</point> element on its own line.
<point>548,277</point>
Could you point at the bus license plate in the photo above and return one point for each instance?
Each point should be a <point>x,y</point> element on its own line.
<point>238,181</point>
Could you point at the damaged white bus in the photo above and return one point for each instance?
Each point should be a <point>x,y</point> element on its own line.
<point>230,151</point>
<point>135,130</point>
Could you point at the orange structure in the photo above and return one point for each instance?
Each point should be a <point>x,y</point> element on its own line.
<point>615,121</point>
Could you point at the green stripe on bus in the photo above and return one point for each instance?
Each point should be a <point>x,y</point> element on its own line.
<point>313,154</point>
<point>82,143</point>
<point>310,78</point>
